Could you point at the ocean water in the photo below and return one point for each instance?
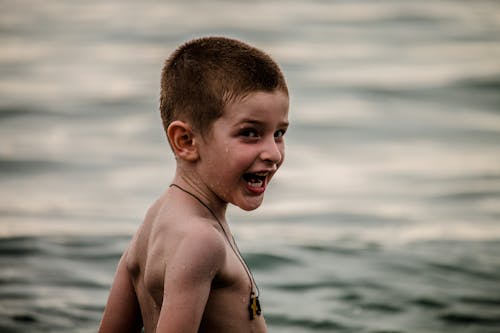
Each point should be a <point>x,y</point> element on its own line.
<point>385,216</point>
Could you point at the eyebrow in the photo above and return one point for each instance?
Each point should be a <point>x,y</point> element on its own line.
<point>258,122</point>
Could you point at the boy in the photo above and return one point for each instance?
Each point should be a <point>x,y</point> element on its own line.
<point>224,106</point>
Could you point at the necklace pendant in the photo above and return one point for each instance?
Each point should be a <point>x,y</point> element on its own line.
<point>254,307</point>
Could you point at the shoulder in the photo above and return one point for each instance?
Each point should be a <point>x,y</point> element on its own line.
<point>202,246</point>
<point>205,239</point>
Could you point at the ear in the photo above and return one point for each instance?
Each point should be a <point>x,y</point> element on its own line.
<point>182,140</point>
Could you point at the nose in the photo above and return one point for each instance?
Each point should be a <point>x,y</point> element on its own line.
<point>272,152</point>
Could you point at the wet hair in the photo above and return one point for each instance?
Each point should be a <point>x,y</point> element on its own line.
<point>204,75</point>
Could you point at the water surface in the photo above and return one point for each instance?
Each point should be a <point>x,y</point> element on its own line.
<point>384,218</point>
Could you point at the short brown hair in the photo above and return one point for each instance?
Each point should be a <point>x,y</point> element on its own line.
<point>203,75</point>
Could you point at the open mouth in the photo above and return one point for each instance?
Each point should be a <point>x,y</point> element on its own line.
<point>255,180</point>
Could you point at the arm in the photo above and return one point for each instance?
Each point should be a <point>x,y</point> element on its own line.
<point>122,313</point>
<point>188,279</point>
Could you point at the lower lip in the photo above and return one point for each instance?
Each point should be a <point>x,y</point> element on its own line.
<point>256,190</point>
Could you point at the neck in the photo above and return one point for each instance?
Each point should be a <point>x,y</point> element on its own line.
<point>203,193</point>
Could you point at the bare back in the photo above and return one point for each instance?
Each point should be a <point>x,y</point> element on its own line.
<point>182,266</point>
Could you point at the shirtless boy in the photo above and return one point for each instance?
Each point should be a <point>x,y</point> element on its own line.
<point>224,106</point>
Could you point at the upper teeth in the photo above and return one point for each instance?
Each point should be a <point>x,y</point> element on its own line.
<point>261,174</point>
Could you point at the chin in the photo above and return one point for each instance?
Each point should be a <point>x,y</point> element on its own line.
<point>248,209</point>
<point>247,206</point>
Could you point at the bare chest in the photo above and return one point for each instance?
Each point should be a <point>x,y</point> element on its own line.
<point>229,304</point>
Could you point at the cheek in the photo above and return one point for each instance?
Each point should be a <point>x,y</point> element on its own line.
<point>230,161</point>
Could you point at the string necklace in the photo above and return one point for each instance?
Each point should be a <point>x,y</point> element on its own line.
<point>254,308</point>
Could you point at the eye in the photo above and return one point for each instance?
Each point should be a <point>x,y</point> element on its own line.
<point>279,134</point>
<point>249,133</point>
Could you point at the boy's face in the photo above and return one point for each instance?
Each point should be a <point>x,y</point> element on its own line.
<point>244,148</point>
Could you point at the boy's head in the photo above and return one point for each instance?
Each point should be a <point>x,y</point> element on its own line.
<point>204,75</point>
